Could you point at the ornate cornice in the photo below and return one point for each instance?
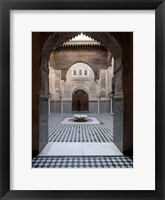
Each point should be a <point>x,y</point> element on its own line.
<point>77,47</point>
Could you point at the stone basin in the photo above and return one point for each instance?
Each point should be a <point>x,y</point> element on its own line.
<point>80,118</point>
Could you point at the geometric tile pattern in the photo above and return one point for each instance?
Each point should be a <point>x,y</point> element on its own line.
<point>102,132</point>
<point>82,162</point>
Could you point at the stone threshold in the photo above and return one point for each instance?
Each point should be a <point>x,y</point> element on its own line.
<point>80,149</point>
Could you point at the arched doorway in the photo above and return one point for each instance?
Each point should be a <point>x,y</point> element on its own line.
<point>121,48</point>
<point>80,101</point>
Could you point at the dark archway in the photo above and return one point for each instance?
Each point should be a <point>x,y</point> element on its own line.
<point>80,101</point>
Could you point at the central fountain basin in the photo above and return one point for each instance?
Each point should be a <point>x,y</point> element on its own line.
<point>80,118</point>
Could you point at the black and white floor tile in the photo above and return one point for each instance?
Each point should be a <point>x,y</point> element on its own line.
<point>82,162</point>
<point>59,132</point>
<point>82,134</point>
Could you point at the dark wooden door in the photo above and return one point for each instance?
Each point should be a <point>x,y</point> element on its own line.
<point>80,101</point>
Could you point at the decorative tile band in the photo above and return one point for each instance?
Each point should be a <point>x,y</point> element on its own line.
<point>82,162</point>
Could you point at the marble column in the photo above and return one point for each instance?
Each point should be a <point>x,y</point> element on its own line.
<point>111,105</point>
<point>49,106</point>
<point>61,105</point>
<point>98,105</point>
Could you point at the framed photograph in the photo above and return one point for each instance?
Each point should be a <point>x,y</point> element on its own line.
<point>82,99</point>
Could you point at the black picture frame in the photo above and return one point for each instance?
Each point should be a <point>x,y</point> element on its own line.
<point>5,7</point>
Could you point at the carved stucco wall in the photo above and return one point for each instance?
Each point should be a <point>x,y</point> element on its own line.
<point>95,57</point>
<point>84,81</point>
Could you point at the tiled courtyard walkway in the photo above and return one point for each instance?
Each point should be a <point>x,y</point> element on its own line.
<point>81,132</point>
<point>81,145</point>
